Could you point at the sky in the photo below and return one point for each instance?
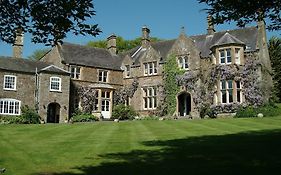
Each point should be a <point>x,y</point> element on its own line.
<point>125,18</point>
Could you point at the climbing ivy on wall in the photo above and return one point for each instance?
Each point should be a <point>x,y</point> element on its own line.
<point>170,85</point>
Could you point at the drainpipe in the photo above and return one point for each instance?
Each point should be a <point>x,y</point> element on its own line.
<point>36,91</point>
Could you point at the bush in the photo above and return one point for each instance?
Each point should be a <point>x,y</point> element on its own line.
<point>268,110</point>
<point>123,112</point>
<point>84,117</point>
<point>28,116</point>
<point>149,117</point>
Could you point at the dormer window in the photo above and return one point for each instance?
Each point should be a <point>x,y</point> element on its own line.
<point>103,76</point>
<point>183,62</point>
<point>150,68</point>
<point>127,70</point>
<point>75,72</point>
<point>237,56</point>
<point>225,56</point>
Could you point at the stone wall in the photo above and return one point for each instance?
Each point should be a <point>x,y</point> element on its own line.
<point>25,88</point>
<point>46,96</point>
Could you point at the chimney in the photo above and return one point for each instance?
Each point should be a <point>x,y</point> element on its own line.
<point>18,44</point>
<point>145,42</point>
<point>211,28</point>
<point>111,44</point>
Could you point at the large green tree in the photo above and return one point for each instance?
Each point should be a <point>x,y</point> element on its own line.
<point>122,44</point>
<point>48,21</point>
<point>274,48</point>
<point>244,12</point>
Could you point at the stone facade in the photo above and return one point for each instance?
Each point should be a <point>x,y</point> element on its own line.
<point>220,60</point>
<point>28,83</point>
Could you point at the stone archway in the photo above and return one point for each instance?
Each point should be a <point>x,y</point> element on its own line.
<point>184,104</point>
<point>53,113</point>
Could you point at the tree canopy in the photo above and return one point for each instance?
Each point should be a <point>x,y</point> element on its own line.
<point>274,48</point>
<point>244,12</point>
<point>48,21</point>
<point>122,44</point>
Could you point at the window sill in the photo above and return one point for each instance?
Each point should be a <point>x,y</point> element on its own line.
<point>5,89</point>
<point>58,91</point>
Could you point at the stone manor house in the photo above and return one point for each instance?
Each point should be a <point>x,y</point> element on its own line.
<point>50,85</point>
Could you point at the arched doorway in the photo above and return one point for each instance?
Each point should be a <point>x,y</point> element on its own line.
<point>53,113</point>
<point>184,104</point>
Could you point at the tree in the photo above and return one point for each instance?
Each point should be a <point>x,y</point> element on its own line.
<point>244,12</point>
<point>274,48</point>
<point>47,21</point>
<point>38,54</point>
<point>122,45</point>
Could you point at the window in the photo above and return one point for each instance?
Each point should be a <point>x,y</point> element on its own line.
<point>238,92</point>
<point>105,102</point>
<point>226,91</point>
<point>103,76</point>
<point>237,56</point>
<point>55,84</point>
<point>9,82</point>
<point>127,70</point>
<point>183,62</point>
<point>10,107</point>
<point>75,72</point>
<point>96,107</point>
<point>150,68</point>
<point>149,98</point>
<point>225,56</point>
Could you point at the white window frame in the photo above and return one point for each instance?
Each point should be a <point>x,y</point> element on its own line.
<point>183,62</point>
<point>58,80</point>
<point>239,91</point>
<point>150,68</point>
<point>149,98</point>
<point>14,84</point>
<point>103,74</point>
<point>237,56</point>
<point>227,90</point>
<point>10,106</point>
<point>226,56</point>
<point>75,74</point>
<point>127,71</point>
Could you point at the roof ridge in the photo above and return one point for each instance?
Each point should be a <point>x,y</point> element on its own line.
<point>223,31</point>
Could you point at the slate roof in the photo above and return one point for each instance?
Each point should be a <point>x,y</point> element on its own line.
<point>89,56</point>
<point>246,36</point>
<point>227,39</point>
<point>28,66</point>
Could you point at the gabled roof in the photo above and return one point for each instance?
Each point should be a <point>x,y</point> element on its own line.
<point>227,39</point>
<point>162,47</point>
<point>89,56</point>
<point>28,66</point>
<point>247,35</point>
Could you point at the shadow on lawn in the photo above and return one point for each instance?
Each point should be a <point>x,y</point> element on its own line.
<point>243,153</point>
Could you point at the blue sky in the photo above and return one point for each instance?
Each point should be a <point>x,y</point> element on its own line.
<point>126,17</point>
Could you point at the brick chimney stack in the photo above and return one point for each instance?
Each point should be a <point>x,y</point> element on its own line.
<point>211,28</point>
<point>18,44</point>
<point>145,37</point>
<point>111,44</point>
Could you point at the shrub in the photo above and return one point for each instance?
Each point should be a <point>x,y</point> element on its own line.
<point>268,110</point>
<point>83,117</point>
<point>148,117</point>
<point>28,116</point>
<point>123,112</point>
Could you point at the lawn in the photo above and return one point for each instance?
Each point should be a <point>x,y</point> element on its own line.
<point>220,146</point>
